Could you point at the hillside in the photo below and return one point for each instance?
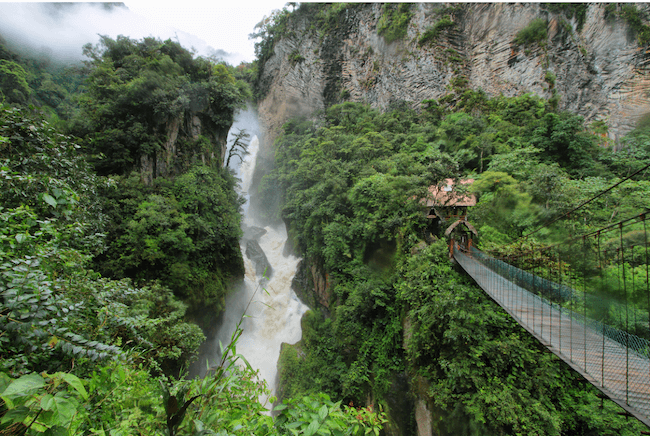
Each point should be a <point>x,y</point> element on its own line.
<point>365,106</point>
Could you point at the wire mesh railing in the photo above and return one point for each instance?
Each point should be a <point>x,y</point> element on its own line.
<point>557,294</point>
<point>582,309</point>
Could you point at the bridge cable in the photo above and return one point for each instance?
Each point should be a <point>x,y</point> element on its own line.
<point>585,202</point>
<point>595,233</point>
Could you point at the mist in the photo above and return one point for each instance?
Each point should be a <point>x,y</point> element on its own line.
<point>59,31</point>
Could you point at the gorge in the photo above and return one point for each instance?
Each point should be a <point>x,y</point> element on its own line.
<point>128,247</point>
<point>265,304</point>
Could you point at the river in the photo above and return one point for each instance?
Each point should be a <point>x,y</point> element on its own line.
<point>273,310</point>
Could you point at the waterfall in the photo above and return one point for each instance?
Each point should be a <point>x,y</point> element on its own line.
<point>274,313</point>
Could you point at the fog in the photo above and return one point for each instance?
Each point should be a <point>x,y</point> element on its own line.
<point>59,31</point>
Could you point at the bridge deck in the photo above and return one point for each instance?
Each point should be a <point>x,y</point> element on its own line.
<point>620,373</point>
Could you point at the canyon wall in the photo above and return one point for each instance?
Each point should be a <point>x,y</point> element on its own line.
<point>600,70</point>
<point>183,146</point>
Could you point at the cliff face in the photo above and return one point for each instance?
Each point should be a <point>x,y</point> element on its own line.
<point>183,146</point>
<point>600,71</point>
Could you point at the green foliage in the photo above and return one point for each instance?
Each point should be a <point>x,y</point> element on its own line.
<point>124,343</point>
<point>295,57</point>
<point>137,88</point>
<point>485,374</point>
<point>39,319</point>
<point>318,415</point>
<point>13,82</point>
<point>122,400</point>
<point>636,20</point>
<point>48,297</point>
<point>245,74</point>
<point>570,10</point>
<point>270,29</point>
<point>534,33</point>
<point>394,21</point>
<point>633,155</point>
<point>562,139</point>
<point>346,180</point>
<point>47,85</point>
<point>600,127</point>
<point>318,354</point>
<point>502,204</point>
<point>350,186</point>
<point>626,200</point>
<point>43,403</point>
<point>43,169</point>
<point>550,78</point>
<point>184,232</point>
<point>114,399</point>
<point>328,177</point>
<point>54,310</point>
<point>431,35</point>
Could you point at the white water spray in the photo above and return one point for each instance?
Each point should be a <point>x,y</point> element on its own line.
<point>273,316</point>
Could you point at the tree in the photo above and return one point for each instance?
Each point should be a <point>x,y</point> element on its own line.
<point>563,139</point>
<point>13,82</point>
<point>239,147</point>
<point>139,90</point>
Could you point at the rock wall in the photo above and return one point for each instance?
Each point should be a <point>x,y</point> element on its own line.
<point>182,147</point>
<point>601,72</point>
<point>312,286</point>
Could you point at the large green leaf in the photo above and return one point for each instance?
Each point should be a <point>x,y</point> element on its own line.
<point>15,415</point>
<point>75,382</point>
<point>312,429</point>
<point>322,412</point>
<point>23,386</point>
<point>47,402</point>
<point>279,407</point>
<point>49,200</point>
<point>65,408</point>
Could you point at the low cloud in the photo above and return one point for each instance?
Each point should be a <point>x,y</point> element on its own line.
<point>60,30</point>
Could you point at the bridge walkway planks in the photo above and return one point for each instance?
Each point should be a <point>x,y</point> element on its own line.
<point>620,373</point>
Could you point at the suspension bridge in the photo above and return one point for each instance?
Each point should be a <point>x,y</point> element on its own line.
<point>587,300</point>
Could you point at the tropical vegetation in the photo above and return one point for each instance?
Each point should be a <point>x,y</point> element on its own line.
<point>350,183</point>
<point>112,256</point>
<point>102,268</point>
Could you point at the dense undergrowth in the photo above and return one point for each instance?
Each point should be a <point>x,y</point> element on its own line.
<point>350,182</point>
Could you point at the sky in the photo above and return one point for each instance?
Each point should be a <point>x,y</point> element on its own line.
<point>222,24</point>
<point>209,26</point>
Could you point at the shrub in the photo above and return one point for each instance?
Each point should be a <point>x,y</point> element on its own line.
<point>295,58</point>
<point>550,79</point>
<point>432,33</point>
<point>394,21</point>
<point>571,10</point>
<point>535,32</point>
<point>13,82</point>
<point>634,19</point>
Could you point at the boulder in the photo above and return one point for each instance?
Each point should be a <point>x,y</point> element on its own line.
<point>255,253</point>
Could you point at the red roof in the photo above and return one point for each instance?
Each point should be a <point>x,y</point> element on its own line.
<point>444,194</point>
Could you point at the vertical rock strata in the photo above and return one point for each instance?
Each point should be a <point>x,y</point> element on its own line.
<point>601,72</point>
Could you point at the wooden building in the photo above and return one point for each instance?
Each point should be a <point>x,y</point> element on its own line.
<point>446,204</point>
